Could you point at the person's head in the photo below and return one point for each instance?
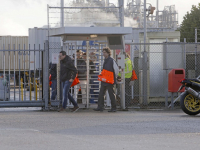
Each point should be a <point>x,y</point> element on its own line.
<point>92,56</point>
<point>106,52</point>
<point>84,56</point>
<point>62,55</point>
<point>79,54</point>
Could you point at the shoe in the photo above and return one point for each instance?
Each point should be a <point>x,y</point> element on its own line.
<point>97,109</point>
<point>75,109</point>
<point>112,110</point>
<point>61,109</point>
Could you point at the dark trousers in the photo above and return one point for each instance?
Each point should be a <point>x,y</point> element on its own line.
<point>128,96</point>
<point>111,93</point>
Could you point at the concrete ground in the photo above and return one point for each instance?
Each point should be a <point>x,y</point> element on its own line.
<point>32,129</point>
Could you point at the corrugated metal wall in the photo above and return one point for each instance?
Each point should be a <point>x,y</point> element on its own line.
<point>37,36</point>
<point>11,43</point>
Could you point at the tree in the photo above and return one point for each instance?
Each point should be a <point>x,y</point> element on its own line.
<point>190,21</point>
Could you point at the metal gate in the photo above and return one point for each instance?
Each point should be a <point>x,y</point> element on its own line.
<point>23,75</point>
<point>86,93</point>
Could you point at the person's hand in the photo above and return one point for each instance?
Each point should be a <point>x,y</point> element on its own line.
<point>71,80</point>
<point>119,79</point>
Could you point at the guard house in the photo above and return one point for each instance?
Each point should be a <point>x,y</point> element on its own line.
<point>112,37</point>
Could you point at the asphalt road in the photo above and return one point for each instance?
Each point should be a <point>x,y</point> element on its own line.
<point>32,129</point>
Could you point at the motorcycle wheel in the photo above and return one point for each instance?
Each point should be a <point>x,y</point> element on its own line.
<point>189,104</point>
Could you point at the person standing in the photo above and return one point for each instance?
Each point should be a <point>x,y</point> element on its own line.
<point>67,75</point>
<point>109,65</point>
<point>82,75</point>
<point>128,75</point>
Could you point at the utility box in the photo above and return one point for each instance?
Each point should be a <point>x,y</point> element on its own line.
<point>174,76</point>
<point>121,60</point>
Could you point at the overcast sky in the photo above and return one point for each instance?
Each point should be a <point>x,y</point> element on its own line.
<point>16,16</point>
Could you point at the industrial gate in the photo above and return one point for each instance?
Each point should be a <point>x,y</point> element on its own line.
<point>87,91</point>
<point>23,75</point>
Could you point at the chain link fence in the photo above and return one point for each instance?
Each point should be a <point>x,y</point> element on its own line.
<point>161,59</point>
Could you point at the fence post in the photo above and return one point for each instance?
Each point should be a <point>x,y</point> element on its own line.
<point>165,66</point>
<point>35,88</point>
<point>184,55</point>
<point>21,84</point>
<point>30,88</point>
<point>46,75</point>
<point>196,52</point>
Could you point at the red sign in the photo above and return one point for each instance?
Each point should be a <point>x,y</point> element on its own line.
<point>127,49</point>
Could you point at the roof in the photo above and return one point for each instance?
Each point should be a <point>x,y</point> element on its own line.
<point>83,33</point>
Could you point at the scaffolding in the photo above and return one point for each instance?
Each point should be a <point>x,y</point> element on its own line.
<point>166,18</point>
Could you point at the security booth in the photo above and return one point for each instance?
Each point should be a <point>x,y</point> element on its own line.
<point>71,39</point>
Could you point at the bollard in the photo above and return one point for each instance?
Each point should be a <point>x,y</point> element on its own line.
<point>21,89</point>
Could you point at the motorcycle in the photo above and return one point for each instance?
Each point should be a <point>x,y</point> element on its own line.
<point>190,98</point>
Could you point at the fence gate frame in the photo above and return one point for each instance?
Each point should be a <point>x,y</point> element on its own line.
<point>43,102</point>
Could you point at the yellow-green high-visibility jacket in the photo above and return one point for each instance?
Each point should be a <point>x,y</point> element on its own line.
<point>128,68</point>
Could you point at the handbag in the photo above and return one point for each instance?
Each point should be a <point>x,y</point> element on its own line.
<point>134,76</point>
<point>106,76</point>
<point>75,82</point>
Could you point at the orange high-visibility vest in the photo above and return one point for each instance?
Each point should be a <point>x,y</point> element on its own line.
<point>106,76</point>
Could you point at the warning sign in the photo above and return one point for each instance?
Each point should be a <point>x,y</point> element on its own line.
<point>55,58</point>
<point>127,49</point>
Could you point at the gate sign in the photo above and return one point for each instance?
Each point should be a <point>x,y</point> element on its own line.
<point>55,58</point>
<point>127,49</point>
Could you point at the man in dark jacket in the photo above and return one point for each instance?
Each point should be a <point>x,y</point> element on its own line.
<point>67,75</point>
<point>109,65</point>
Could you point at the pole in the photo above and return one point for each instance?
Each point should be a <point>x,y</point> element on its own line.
<point>157,13</point>
<point>184,55</point>
<point>195,35</point>
<point>61,13</point>
<point>145,60</point>
<point>195,51</point>
<point>121,12</point>
<point>46,74</point>
<point>166,74</point>
<point>87,62</point>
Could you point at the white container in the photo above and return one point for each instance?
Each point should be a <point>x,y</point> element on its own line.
<point>10,43</point>
<point>37,36</point>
